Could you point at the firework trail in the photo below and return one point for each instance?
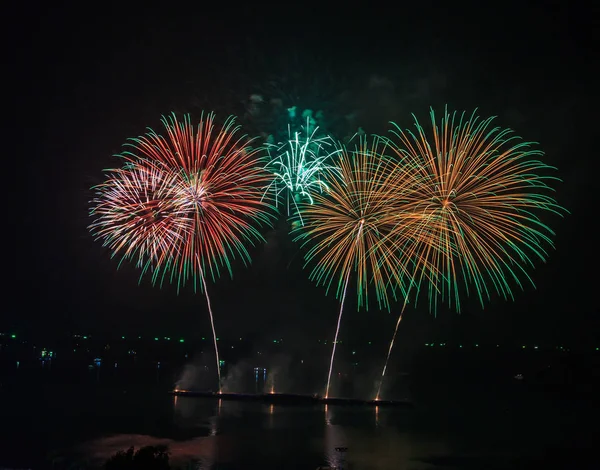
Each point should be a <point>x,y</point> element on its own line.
<point>297,166</point>
<point>473,221</point>
<point>186,204</point>
<point>346,226</point>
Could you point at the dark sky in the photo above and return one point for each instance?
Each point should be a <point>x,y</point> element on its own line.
<point>83,81</point>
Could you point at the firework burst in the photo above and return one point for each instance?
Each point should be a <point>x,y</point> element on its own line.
<point>137,216</point>
<point>473,223</point>
<point>346,226</point>
<point>186,203</point>
<point>297,167</point>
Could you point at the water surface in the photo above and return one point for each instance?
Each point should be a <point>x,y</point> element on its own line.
<point>449,429</point>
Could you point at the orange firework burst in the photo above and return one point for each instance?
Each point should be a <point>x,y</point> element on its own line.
<point>347,225</point>
<point>473,218</point>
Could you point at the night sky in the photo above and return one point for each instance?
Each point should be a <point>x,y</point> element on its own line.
<point>83,80</point>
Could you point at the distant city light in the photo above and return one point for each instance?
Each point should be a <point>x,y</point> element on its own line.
<point>46,354</point>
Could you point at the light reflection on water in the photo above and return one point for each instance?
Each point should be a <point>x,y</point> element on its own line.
<point>451,428</point>
<point>230,432</point>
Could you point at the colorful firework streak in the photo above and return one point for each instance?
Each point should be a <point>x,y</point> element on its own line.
<point>473,221</point>
<point>346,226</point>
<point>297,166</point>
<point>185,204</point>
<point>137,216</point>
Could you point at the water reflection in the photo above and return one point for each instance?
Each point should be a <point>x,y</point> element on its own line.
<point>391,449</point>
<point>334,439</point>
<point>184,407</point>
<point>327,415</point>
<point>222,432</point>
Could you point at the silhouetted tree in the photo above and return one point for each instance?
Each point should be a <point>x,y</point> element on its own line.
<point>146,458</point>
